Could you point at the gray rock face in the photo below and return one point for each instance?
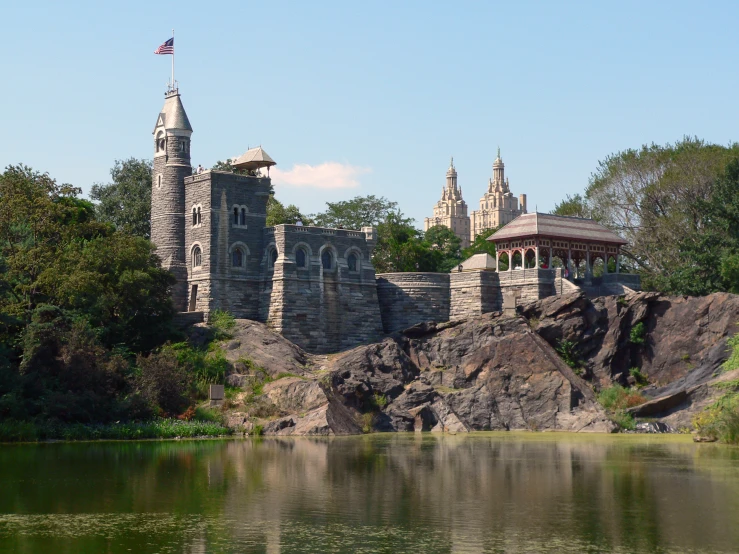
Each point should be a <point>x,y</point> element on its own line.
<point>498,373</point>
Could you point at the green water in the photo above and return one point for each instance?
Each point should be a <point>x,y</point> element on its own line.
<point>485,492</point>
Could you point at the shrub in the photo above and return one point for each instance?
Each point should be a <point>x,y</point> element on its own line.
<point>641,379</point>
<point>163,381</point>
<point>619,398</point>
<point>222,323</point>
<point>367,421</point>
<point>733,360</point>
<point>720,421</point>
<point>566,351</point>
<point>638,334</point>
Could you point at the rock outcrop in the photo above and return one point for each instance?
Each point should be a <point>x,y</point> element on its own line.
<point>493,372</point>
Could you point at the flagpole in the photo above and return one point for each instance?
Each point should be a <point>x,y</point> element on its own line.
<point>173,59</point>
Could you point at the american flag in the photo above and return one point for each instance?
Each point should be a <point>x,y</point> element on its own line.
<point>166,48</point>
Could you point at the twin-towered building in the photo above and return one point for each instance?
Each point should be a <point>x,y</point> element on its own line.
<point>498,206</point>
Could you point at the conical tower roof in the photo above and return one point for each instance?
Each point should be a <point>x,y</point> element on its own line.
<point>173,115</point>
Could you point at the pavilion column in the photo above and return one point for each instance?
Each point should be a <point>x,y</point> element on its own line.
<point>569,258</point>
<point>497,260</point>
<point>510,260</point>
<point>587,261</point>
<point>618,260</point>
<point>605,263</point>
<point>536,256</point>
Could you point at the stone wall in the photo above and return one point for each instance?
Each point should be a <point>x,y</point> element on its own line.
<point>326,305</point>
<point>220,283</point>
<point>410,298</point>
<point>473,293</point>
<point>528,284</point>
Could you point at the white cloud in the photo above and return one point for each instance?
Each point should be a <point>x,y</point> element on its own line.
<point>328,175</point>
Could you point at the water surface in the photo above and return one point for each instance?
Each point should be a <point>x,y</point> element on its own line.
<point>483,492</point>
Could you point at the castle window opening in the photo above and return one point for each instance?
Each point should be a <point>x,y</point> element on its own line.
<point>242,220</point>
<point>273,257</point>
<point>159,181</point>
<point>351,261</point>
<point>194,217</point>
<point>300,258</point>
<point>236,216</point>
<point>237,258</point>
<point>327,259</point>
<point>197,257</point>
<point>200,216</point>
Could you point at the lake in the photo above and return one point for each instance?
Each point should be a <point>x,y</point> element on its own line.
<point>483,492</point>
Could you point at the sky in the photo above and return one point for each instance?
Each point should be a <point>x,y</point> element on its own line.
<point>374,97</point>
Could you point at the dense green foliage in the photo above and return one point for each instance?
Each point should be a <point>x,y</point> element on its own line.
<point>678,206</point>
<point>13,431</point>
<point>85,315</point>
<point>126,201</point>
<point>278,214</point>
<point>572,206</point>
<point>360,211</point>
<point>481,245</point>
<point>720,421</point>
<point>616,399</point>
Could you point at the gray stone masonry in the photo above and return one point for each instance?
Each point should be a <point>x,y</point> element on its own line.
<point>410,298</point>
<point>473,293</point>
<point>327,304</point>
<point>220,283</point>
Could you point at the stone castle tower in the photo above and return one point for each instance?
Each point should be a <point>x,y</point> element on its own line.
<point>172,134</point>
<point>451,210</point>
<point>498,206</point>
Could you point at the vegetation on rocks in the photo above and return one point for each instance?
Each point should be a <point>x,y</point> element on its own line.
<point>616,399</point>
<point>720,420</point>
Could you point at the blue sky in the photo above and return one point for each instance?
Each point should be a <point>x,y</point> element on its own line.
<point>370,98</point>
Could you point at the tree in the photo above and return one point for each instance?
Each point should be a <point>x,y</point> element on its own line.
<point>126,201</point>
<point>444,246</point>
<point>228,166</point>
<point>654,197</point>
<point>360,211</point>
<point>708,256</point>
<point>481,245</point>
<point>278,214</point>
<point>573,206</point>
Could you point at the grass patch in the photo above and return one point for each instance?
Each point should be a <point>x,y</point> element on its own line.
<point>641,379</point>
<point>732,361</point>
<point>287,374</point>
<point>619,398</point>
<point>367,420</point>
<point>622,301</point>
<point>222,324</point>
<point>534,322</point>
<point>208,414</point>
<point>638,334</point>
<point>567,350</point>
<point>16,431</point>
<point>720,421</point>
<point>616,400</point>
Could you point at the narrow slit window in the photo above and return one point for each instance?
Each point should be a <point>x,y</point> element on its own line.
<point>236,216</point>
<point>243,216</point>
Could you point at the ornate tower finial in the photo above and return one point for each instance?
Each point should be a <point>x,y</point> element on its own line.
<point>451,163</point>
<point>498,152</point>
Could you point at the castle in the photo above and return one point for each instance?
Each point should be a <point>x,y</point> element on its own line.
<point>315,285</point>
<point>498,206</point>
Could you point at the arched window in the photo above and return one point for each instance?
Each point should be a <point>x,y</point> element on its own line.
<point>272,257</point>
<point>351,261</point>
<point>327,259</point>
<point>300,257</point>
<point>197,257</point>
<point>243,217</point>
<point>236,216</point>
<point>237,258</point>
<point>194,216</point>
<point>200,216</point>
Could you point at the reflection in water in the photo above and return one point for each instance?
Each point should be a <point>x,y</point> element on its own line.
<point>485,492</point>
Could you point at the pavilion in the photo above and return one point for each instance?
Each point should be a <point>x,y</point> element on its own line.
<point>532,241</point>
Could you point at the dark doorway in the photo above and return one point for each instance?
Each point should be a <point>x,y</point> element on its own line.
<point>193,298</point>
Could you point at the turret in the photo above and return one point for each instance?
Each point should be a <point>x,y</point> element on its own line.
<point>451,177</point>
<point>172,134</point>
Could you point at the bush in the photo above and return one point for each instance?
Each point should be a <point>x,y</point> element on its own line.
<point>566,351</point>
<point>638,334</point>
<point>222,323</point>
<point>619,398</point>
<point>164,382</point>
<point>640,378</point>
<point>15,431</point>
